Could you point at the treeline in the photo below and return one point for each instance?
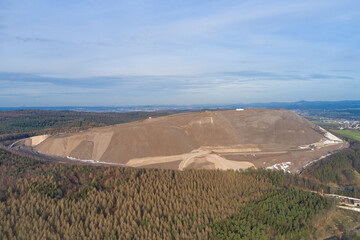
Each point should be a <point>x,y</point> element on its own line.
<point>63,201</point>
<point>42,121</point>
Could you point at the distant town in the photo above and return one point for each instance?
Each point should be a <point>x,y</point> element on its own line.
<point>343,124</point>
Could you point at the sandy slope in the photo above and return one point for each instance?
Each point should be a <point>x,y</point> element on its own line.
<point>195,139</point>
<point>204,157</point>
<point>36,140</point>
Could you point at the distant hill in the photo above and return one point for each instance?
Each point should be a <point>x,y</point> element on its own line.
<point>300,105</point>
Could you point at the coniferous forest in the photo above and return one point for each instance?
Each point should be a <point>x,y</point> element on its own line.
<point>41,200</point>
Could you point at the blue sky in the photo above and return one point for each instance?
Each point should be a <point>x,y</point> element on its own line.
<point>111,52</point>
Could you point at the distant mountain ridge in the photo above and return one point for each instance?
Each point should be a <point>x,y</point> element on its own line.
<point>300,105</point>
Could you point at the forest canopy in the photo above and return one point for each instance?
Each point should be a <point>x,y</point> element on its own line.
<point>58,201</point>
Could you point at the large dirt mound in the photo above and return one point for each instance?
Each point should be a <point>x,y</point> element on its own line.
<point>251,130</point>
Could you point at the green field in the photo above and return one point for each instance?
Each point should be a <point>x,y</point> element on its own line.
<point>353,134</point>
<point>327,124</point>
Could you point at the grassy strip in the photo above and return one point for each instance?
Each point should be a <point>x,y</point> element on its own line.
<point>353,134</point>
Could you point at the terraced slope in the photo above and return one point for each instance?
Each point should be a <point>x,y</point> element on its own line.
<point>200,140</point>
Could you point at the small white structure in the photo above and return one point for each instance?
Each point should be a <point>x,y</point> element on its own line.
<point>239,109</point>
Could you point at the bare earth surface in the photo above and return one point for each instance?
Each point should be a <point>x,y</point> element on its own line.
<point>212,140</point>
